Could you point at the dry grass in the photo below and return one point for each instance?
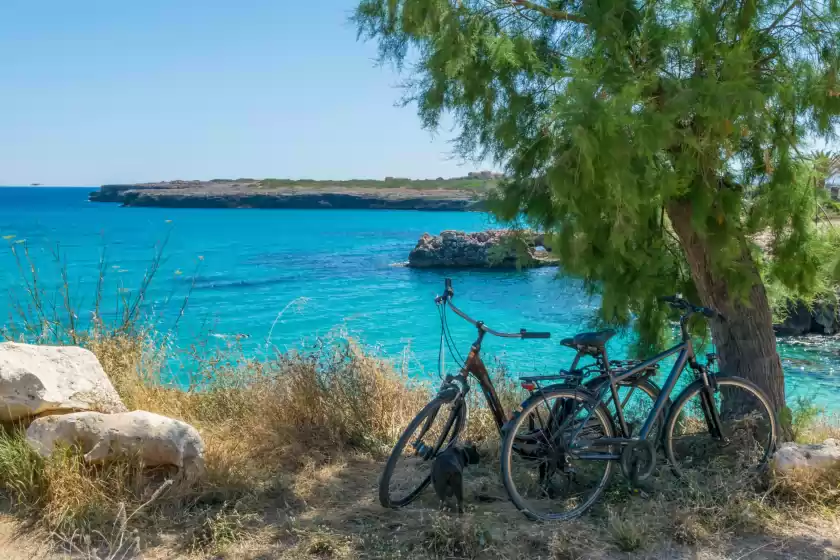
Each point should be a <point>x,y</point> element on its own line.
<point>295,444</point>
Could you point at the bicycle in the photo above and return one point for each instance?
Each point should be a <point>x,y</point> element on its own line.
<point>450,405</point>
<point>709,430</point>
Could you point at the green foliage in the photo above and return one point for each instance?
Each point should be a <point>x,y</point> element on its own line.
<point>610,115</point>
<point>21,469</point>
<point>803,416</point>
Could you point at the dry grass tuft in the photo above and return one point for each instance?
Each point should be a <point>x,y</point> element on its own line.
<point>627,532</point>
<point>457,537</point>
<point>215,529</point>
<point>808,490</point>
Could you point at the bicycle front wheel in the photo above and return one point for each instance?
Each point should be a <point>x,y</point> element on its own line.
<point>540,469</point>
<point>409,468</point>
<point>699,446</point>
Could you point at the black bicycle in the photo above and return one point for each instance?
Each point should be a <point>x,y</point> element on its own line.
<point>439,423</point>
<point>559,449</point>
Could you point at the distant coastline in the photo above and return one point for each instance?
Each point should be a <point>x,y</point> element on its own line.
<point>393,193</point>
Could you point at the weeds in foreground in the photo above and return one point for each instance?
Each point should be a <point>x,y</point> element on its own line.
<point>626,532</point>
<point>217,530</point>
<point>459,537</point>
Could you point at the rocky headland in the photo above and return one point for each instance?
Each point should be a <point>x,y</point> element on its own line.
<point>483,249</point>
<point>459,194</point>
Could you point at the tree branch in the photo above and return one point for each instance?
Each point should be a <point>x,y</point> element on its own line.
<point>781,17</point>
<point>548,12</point>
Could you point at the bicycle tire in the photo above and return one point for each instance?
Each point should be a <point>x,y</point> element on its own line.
<point>396,453</point>
<point>600,411</point>
<point>694,390</point>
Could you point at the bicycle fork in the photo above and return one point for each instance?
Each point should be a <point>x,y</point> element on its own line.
<point>710,411</point>
<point>426,452</point>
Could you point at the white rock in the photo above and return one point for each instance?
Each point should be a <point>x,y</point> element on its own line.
<point>151,438</point>
<point>802,456</point>
<point>37,379</point>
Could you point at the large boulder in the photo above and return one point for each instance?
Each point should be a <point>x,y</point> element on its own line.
<point>151,438</point>
<point>801,456</point>
<point>52,379</point>
<point>821,317</point>
<point>483,249</point>
<point>825,320</point>
<point>797,321</point>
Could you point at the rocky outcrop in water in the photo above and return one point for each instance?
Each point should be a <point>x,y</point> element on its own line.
<point>820,318</point>
<point>483,249</point>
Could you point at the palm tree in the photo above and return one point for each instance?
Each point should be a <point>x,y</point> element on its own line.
<point>826,166</point>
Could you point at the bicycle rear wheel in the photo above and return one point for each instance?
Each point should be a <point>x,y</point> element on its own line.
<point>748,424</point>
<point>540,471</point>
<point>408,470</point>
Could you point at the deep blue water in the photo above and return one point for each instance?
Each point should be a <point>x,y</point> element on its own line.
<point>309,274</point>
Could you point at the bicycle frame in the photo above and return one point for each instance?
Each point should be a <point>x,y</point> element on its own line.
<point>475,366</point>
<point>685,355</point>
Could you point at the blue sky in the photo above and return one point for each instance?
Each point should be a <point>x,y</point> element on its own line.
<point>103,91</point>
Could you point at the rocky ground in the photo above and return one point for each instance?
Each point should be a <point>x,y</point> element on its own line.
<point>330,512</point>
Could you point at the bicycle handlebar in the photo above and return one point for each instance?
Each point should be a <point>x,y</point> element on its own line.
<point>449,293</point>
<point>679,303</point>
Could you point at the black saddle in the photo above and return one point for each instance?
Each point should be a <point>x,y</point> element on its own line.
<point>590,341</point>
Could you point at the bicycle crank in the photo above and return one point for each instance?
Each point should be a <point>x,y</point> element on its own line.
<point>638,460</point>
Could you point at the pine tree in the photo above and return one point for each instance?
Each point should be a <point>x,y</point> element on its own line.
<point>653,138</point>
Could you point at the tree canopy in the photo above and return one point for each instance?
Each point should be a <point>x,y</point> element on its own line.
<point>617,121</point>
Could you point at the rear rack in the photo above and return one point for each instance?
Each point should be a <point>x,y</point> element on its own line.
<point>574,375</point>
<point>620,366</point>
<point>534,382</point>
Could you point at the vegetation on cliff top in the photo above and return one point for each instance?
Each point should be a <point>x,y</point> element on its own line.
<point>459,183</point>
<point>479,181</point>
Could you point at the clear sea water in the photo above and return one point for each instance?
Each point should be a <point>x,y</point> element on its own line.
<point>287,277</point>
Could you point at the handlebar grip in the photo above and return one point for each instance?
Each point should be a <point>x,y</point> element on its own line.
<point>526,334</point>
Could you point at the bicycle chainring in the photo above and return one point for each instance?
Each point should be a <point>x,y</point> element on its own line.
<point>638,459</point>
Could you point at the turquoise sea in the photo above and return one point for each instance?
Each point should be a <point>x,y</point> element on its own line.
<point>286,277</point>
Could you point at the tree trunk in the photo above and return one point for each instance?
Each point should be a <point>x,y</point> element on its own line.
<point>745,341</point>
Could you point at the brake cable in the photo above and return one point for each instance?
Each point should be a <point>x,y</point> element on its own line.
<point>453,348</point>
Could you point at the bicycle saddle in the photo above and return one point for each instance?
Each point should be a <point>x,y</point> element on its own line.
<point>589,340</point>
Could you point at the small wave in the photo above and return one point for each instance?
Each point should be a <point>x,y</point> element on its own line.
<point>230,336</point>
<point>212,284</point>
<point>399,264</point>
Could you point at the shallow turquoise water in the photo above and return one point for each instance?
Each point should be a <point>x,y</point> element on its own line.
<point>299,274</point>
